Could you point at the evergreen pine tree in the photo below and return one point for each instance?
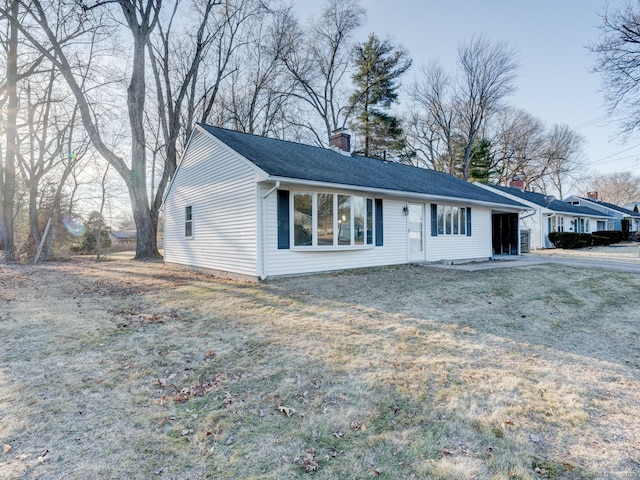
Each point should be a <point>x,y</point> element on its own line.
<point>481,162</point>
<point>94,224</point>
<point>379,66</point>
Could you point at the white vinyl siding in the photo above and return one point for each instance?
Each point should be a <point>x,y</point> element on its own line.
<point>394,251</point>
<point>220,186</point>
<point>234,219</point>
<point>296,261</point>
<point>462,247</point>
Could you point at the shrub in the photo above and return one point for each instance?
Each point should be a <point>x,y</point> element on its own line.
<point>599,240</point>
<point>570,239</point>
<point>614,236</point>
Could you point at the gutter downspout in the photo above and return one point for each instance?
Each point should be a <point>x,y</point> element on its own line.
<point>544,243</point>
<point>263,240</point>
<point>275,187</point>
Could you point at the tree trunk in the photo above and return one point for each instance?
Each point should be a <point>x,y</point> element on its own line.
<point>33,214</point>
<point>146,226</point>
<point>9,169</point>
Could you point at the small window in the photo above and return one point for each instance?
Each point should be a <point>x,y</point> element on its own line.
<point>303,219</point>
<point>325,219</point>
<point>344,219</point>
<point>369,221</point>
<point>450,220</point>
<point>188,221</point>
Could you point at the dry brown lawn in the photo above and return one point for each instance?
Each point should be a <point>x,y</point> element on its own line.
<point>127,370</point>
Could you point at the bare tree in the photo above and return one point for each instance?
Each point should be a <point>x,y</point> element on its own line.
<point>226,30</point>
<point>453,112</point>
<point>562,157</point>
<point>617,56</point>
<point>176,58</point>
<point>432,126</point>
<point>75,148</point>
<point>319,60</point>
<point>260,87</point>
<point>617,188</point>
<point>518,142</point>
<point>488,73</point>
<point>140,17</point>
<point>42,136</point>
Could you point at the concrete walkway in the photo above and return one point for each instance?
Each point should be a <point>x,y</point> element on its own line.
<point>626,263</point>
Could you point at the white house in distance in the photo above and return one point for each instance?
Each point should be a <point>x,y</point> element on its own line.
<point>618,214</point>
<point>546,214</point>
<point>633,206</point>
<point>258,207</point>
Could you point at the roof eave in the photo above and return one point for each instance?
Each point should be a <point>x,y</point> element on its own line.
<point>395,193</point>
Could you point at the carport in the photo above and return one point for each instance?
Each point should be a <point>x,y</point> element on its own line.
<point>505,238</point>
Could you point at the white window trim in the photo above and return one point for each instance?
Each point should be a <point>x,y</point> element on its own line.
<point>188,237</point>
<point>447,216</point>
<point>314,236</point>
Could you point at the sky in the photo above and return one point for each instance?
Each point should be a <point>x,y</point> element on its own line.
<point>555,82</point>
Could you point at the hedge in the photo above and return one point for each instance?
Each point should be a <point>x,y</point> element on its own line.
<point>581,240</point>
<point>614,236</point>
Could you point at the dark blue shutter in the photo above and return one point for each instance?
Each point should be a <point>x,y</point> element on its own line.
<point>283,219</point>
<point>468,222</point>
<point>434,220</point>
<point>379,223</point>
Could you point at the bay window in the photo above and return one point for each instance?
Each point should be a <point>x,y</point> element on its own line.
<point>321,219</point>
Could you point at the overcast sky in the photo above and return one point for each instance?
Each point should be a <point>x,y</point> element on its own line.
<point>555,83</point>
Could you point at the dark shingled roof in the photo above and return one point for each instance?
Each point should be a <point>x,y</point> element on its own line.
<point>285,159</point>
<point>611,206</point>
<point>124,234</point>
<point>555,205</point>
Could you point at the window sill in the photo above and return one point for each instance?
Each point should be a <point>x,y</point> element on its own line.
<point>332,248</point>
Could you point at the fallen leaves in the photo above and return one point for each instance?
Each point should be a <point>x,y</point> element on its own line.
<point>356,426</point>
<point>209,354</point>
<point>197,389</point>
<point>6,448</point>
<point>202,388</point>
<point>287,410</point>
<point>309,462</point>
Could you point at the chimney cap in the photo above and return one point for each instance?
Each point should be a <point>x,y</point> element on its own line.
<point>340,140</point>
<point>517,182</point>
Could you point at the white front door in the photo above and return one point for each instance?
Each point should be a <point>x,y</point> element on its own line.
<point>416,232</point>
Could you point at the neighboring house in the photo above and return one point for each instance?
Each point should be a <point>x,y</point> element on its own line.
<point>548,215</point>
<point>633,206</point>
<point>618,214</point>
<point>259,207</point>
<point>123,238</point>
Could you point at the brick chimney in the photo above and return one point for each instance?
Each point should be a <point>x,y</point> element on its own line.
<point>341,140</point>
<point>517,182</point>
<point>592,195</point>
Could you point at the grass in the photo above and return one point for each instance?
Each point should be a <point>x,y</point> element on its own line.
<point>133,370</point>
